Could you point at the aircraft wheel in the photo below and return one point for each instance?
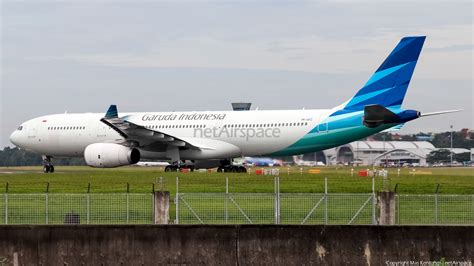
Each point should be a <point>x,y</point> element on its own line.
<point>51,169</point>
<point>46,169</point>
<point>168,168</point>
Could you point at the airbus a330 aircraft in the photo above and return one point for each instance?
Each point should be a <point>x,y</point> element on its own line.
<point>212,139</point>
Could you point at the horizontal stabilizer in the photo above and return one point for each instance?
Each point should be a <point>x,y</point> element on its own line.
<point>375,115</point>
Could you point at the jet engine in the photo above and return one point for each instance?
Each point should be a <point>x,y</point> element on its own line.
<point>108,155</point>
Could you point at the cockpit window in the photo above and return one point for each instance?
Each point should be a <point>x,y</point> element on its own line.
<point>20,128</point>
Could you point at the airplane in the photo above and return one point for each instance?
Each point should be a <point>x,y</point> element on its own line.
<point>151,164</point>
<point>262,161</point>
<point>300,162</point>
<point>212,139</point>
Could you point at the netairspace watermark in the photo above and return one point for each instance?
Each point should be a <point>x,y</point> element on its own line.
<point>242,132</point>
<point>441,262</point>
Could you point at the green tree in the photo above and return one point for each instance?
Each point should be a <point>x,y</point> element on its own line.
<point>437,156</point>
<point>462,157</point>
<point>383,136</point>
<point>443,140</point>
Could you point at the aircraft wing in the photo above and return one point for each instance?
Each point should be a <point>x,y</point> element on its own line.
<point>140,136</point>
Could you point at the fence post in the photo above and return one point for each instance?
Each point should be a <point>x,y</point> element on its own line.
<point>275,199</point>
<point>278,196</point>
<point>226,199</point>
<point>128,203</point>
<point>6,203</point>
<point>276,181</point>
<point>325,200</point>
<point>436,205</point>
<point>162,206</point>
<point>472,204</point>
<point>46,203</point>
<point>176,201</point>
<point>88,203</point>
<point>374,202</point>
<point>386,204</point>
<point>397,200</point>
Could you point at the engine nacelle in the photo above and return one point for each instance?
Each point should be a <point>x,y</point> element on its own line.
<point>108,155</point>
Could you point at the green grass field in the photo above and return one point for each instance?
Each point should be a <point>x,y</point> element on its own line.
<point>140,179</point>
<point>251,195</point>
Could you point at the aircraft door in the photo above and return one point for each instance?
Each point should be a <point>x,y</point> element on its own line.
<point>102,130</point>
<point>32,130</point>
<point>322,125</point>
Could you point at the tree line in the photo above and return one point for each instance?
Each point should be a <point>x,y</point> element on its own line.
<point>19,157</point>
<point>440,140</point>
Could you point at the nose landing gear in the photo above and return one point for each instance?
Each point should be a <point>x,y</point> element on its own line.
<point>47,164</point>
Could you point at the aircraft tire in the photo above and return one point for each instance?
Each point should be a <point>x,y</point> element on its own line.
<point>46,169</point>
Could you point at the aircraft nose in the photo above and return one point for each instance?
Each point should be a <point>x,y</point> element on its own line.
<point>14,138</point>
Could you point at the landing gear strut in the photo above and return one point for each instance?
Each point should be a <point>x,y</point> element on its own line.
<point>48,166</point>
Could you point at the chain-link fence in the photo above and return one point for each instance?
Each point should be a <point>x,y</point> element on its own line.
<point>318,208</point>
<point>435,209</point>
<point>90,208</point>
<point>269,208</point>
<point>314,208</point>
<point>234,208</point>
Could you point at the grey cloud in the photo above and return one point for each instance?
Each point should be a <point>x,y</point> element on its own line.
<point>363,51</point>
<point>452,48</point>
<point>38,38</point>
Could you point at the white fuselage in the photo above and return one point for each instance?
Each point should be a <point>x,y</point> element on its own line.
<point>250,132</point>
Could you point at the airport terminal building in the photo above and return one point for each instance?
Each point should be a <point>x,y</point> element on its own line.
<point>377,153</point>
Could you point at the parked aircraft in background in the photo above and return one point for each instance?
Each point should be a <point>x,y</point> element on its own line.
<point>262,161</point>
<point>157,164</point>
<point>300,162</point>
<point>212,139</point>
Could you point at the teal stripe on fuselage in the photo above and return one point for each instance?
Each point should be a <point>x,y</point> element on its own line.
<point>339,132</point>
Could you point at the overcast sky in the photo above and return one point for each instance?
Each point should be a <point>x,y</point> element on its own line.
<point>82,56</point>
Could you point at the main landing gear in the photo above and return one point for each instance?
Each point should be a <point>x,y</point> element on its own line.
<point>228,167</point>
<point>48,166</point>
<point>178,167</point>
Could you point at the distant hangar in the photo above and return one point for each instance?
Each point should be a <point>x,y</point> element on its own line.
<point>377,152</point>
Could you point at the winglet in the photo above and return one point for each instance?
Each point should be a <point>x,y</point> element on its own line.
<point>112,112</point>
